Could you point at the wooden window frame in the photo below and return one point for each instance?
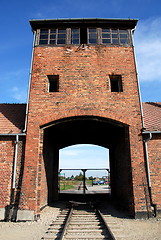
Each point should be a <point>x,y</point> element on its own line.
<point>57,33</point>
<point>72,38</point>
<point>115,36</point>
<point>119,32</point>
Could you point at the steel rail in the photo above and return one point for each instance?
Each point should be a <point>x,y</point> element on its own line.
<point>98,213</point>
<point>105,224</point>
<point>66,224</point>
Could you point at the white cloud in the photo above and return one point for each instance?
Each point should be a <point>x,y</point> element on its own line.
<point>148,49</point>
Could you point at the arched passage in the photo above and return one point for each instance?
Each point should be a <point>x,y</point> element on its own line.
<point>84,170</point>
<point>90,130</point>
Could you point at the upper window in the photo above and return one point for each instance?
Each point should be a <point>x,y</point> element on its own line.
<point>53,83</point>
<point>114,36</point>
<point>61,36</point>
<point>75,36</point>
<point>116,83</point>
<point>43,36</point>
<point>83,36</point>
<point>52,36</point>
<point>92,35</point>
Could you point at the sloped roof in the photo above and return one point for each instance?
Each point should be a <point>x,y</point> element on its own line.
<point>152,116</point>
<point>12,118</point>
<point>75,22</point>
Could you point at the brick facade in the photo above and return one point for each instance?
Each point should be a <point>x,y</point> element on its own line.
<point>84,90</point>
<point>83,110</point>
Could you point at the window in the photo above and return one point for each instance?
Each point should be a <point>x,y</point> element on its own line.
<point>83,35</point>
<point>124,37</point>
<point>61,36</point>
<point>43,36</point>
<point>116,83</point>
<point>53,83</point>
<point>106,36</point>
<point>52,36</point>
<point>115,36</point>
<point>75,36</point>
<point>92,35</point>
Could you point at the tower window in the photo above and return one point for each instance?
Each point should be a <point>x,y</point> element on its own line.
<point>116,83</point>
<point>61,36</point>
<point>53,83</point>
<point>106,36</point>
<point>83,35</point>
<point>43,36</point>
<point>115,36</point>
<point>124,37</point>
<point>92,35</point>
<point>75,36</point>
<point>52,36</point>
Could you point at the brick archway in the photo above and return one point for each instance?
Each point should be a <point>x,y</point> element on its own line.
<point>88,130</point>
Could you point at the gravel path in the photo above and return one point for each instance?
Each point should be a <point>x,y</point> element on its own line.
<point>141,229</point>
<point>29,230</point>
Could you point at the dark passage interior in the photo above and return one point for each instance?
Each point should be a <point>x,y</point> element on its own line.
<point>90,130</point>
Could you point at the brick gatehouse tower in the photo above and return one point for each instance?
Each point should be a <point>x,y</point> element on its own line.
<point>83,90</point>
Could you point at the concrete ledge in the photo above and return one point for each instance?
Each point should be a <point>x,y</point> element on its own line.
<point>2,213</point>
<point>142,215</point>
<point>158,213</point>
<point>25,215</point>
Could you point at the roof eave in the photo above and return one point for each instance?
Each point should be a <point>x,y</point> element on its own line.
<point>126,23</point>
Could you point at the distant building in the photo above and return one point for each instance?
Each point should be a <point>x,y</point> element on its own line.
<point>83,89</point>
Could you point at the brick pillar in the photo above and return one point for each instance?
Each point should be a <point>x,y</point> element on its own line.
<point>139,179</point>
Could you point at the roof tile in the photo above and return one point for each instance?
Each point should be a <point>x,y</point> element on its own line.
<point>152,116</point>
<point>12,118</point>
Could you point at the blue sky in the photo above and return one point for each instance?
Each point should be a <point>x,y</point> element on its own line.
<point>16,40</point>
<point>84,156</point>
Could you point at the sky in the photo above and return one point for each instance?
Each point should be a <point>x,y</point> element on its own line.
<point>16,40</point>
<point>84,156</point>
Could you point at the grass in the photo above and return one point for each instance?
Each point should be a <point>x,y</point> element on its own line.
<point>69,184</point>
<point>65,185</point>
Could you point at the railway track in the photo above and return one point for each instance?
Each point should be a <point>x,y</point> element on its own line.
<point>80,221</point>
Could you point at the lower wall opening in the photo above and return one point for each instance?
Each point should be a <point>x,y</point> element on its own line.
<point>95,131</point>
<point>84,170</point>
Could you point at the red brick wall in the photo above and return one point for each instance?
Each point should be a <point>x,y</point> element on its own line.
<point>154,152</point>
<point>6,164</point>
<point>7,156</point>
<point>84,82</point>
<point>84,89</point>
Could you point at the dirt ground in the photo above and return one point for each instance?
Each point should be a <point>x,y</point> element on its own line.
<point>133,229</point>
<point>140,229</point>
<point>29,230</point>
